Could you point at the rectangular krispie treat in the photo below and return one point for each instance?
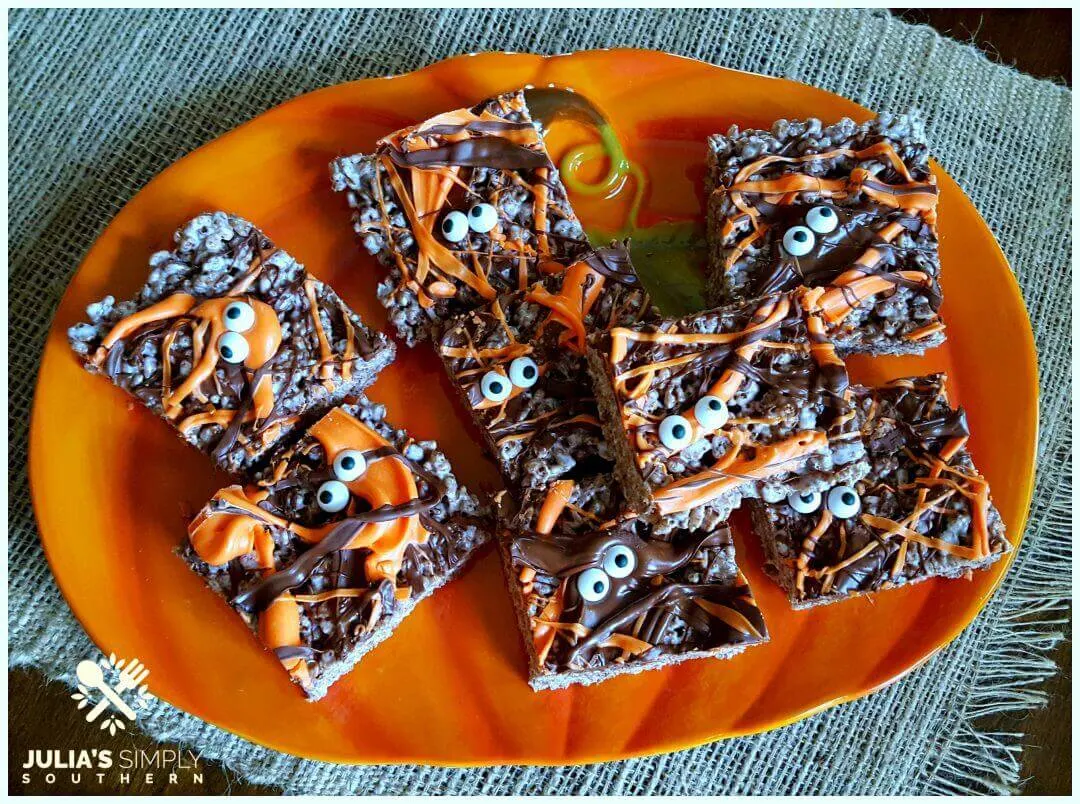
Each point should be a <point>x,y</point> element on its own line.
<point>747,400</point>
<point>850,208</point>
<point>337,541</point>
<point>519,366</point>
<point>231,341</point>
<point>923,511</point>
<point>597,596</point>
<point>460,208</point>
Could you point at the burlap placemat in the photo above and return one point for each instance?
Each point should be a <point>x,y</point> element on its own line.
<point>102,101</point>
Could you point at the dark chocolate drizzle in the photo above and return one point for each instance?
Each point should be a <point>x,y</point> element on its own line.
<point>647,593</point>
<point>835,252</point>
<point>483,151</point>
<point>475,127</point>
<point>613,262</point>
<point>663,598</point>
<point>273,586</point>
<point>560,555</point>
<point>951,425</point>
<point>915,419</point>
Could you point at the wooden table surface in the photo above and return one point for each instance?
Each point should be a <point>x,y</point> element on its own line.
<point>40,712</point>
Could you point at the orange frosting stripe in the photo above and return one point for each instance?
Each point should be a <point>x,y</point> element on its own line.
<point>219,537</point>
<point>555,502</point>
<point>431,188</point>
<point>728,615</point>
<point>263,339</point>
<point>386,482</point>
<point>279,627</point>
<point>925,331</point>
<point>809,544</point>
<point>767,460</point>
<point>847,293</point>
<point>572,304</point>
<point>171,307</point>
<point>854,287</point>
<point>430,252</point>
<point>629,645</point>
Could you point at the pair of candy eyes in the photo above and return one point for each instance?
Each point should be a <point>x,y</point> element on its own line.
<point>239,317</point>
<point>594,583</point>
<point>843,501</point>
<point>799,240</point>
<point>482,218</point>
<point>676,431</point>
<point>522,372</point>
<point>333,495</point>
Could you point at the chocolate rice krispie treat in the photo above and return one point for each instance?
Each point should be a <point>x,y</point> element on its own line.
<point>923,511</point>
<point>850,208</point>
<point>748,400</point>
<point>337,541</point>
<point>598,595</point>
<point>460,209</point>
<point>231,341</point>
<point>519,365</point>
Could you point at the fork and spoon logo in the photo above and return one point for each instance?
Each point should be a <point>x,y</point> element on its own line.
<point>95,677</point>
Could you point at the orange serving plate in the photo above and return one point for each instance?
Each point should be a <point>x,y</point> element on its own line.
<point>112,484</point>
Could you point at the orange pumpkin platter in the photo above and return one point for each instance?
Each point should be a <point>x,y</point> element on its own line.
<point>113,488</point>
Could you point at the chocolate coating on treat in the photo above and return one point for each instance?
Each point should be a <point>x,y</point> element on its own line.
<point>924,510</point>
<point>320,586</point>
<point>300,351</point>
<point>548,429</point>
<point>400,194</point>
<point>668,590</point>
<point>767,362</point>
<point>873,183</point>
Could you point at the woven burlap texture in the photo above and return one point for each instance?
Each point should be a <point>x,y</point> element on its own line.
<point>102,101</point>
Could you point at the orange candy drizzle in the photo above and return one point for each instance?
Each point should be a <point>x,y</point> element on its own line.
<point>972,486</point>
<point>219,537</point>
<point>853,287</point>
<point>558,497</point>
<point>733,469</point>
<point>431,187</point>
<point>208,325</point>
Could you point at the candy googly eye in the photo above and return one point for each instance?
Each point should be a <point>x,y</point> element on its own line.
<point>711,412</point>
<point>804,502</point>
<point>675,432</point>
<point>455,226</point>
<point>332,496</point>
<point>593,585</point>
<point>349,465</point>
<point>233,347</point>
<point>483,218</point>
<point>844,502</point>
<point>798,241</point>
<point>620,561</point>
<point>495,387</point>
<point>822,219</point>
<point>523,372</point>
<point>239,316</point>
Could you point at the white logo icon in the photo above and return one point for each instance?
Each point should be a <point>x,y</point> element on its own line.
<point>97,677</point>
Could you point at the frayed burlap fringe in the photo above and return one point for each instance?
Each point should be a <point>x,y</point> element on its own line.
<point>102,101</point>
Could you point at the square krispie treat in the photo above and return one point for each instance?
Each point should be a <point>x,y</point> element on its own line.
<point>231,341</point>
<point>519,366</point>
<point>337,540</point>
<point>850,208</point>
<point>923,511</point>
<point>748,400</point>
<point>460,208</point>
<point>598,594</point>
